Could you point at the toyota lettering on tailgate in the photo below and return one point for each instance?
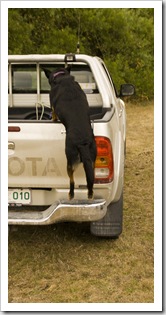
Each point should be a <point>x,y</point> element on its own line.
<point>17,166</point>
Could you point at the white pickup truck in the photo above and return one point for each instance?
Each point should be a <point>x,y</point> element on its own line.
<point>38,181</point>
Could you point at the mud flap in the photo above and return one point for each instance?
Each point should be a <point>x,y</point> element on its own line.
<point>111,224</point>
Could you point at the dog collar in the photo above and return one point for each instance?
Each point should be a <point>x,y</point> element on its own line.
<point>58,73</point>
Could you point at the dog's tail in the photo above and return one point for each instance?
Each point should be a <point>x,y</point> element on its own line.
<point>88,164</point>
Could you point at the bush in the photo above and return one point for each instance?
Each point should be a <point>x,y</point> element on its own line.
<point>124,38</point>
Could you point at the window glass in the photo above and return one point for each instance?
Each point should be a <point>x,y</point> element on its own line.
<point>24,78</point>
<point>110,79</point>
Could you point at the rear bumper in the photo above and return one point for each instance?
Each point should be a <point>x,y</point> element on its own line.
<point>64,210</point>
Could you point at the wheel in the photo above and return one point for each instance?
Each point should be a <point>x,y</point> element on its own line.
<point>111,224</point>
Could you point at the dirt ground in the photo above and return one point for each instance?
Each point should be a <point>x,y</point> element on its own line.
<point>64,263</point>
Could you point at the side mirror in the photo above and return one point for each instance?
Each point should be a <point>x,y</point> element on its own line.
<point>127,90</point>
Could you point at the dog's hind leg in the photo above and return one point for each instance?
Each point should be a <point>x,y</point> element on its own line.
<point>70,171</point>
<point>89,171</point>
<point>88,165</point>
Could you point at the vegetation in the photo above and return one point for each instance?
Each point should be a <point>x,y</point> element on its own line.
<point>122,37</point>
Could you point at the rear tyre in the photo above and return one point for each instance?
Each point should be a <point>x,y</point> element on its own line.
<point>111,224</point>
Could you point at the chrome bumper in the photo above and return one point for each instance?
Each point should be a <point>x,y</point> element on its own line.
<point>64,210</point>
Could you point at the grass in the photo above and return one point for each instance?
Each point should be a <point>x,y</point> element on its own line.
<point>64,263</point>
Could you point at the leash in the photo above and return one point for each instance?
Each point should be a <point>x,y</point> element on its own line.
<point>38,104</point>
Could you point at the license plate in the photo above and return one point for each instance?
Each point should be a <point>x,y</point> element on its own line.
<point>19,196</point>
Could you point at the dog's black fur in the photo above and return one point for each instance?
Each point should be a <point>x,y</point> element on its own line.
<point>69,104</point>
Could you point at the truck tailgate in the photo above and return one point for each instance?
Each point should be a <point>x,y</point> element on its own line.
<point>36,153</point>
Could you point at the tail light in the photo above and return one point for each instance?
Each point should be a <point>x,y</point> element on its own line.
<point>104,166</point>
<point>14,129</point>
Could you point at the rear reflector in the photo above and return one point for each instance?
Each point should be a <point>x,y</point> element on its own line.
<point>104,166</point>
<point>14,129</point>
<point>101,172</point>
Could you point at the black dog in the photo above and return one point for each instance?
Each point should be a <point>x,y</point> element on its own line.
<point>69,104</point>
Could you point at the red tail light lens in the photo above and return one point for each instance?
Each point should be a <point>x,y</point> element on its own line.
<point>14,129</point>
<point>104,166</point>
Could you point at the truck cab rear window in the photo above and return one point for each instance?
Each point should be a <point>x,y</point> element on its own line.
<point>28,85</point>
<point>30,78</point>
